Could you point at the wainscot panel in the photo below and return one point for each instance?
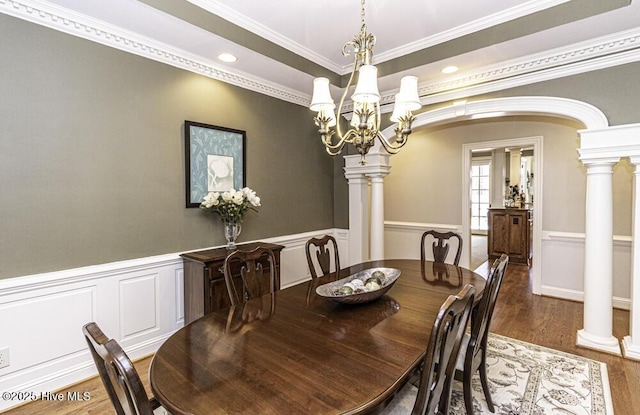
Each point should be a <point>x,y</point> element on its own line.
<point>402,239</point>
<point>563,267</point>
<point>562,264</point>
<point>138,302</point>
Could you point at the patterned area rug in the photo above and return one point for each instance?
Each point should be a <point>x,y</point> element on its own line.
<point>526,379</point>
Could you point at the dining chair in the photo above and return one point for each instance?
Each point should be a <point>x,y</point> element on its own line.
<point>248,265</point>
<point>473,354</point>
<point>119,376</point>
<point>433,393</point>
<point>440,245</point>
<point>320,247</point>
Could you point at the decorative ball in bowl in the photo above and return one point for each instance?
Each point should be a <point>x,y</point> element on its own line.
<point>362,287</point>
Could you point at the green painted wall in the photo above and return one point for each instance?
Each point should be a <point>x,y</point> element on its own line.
<point>92,155</point>
<point>92,159</point>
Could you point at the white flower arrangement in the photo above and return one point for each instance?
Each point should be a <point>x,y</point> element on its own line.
<point>232,204</point>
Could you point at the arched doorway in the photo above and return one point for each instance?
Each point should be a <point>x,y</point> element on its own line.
<point>586,114</point>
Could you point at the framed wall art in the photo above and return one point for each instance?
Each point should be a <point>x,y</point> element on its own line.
<point>215,160</point>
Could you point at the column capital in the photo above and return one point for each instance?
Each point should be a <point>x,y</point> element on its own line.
<point>376,166</point>
<point>590,160</point>
<point>379,174</point>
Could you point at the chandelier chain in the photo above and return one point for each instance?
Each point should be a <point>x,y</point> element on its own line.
<point>362,12</point>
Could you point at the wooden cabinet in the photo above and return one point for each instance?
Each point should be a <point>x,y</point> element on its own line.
<point>510,233</point>
<point>204,287</point>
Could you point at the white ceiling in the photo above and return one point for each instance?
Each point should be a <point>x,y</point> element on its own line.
<point>316,30</point>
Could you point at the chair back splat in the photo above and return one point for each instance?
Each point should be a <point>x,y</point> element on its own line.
<point>440,246</point>
<point>119,376</point>
<point>248,265</point>
<point>476,349</point>
<point>320,247</point>
<point>434,391</point>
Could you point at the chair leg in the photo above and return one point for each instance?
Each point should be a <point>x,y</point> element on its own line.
<point>466,389</point>
<point>485,386</point>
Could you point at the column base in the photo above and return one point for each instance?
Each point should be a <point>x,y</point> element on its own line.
<point>603,344</point>
<point>630,350</point>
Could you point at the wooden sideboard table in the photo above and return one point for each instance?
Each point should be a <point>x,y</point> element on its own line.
<point>204,287</point>
<point>510,232</point>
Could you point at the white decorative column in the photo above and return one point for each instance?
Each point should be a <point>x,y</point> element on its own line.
<point>598,263</point>
<point>358,216</point>
<point>377,216</point>
<point>366,239</point>
<point>631,343</point>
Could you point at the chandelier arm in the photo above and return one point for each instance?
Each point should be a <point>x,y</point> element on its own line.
<point>344,95</point>
<point>392,148</point>
<point>389,148</point>
<point>338,146</point>
<point>403,130</point>
<point>341,142</point>
<point>334,150</point>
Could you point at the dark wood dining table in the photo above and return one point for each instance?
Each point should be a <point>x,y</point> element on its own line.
<point>295,352</point>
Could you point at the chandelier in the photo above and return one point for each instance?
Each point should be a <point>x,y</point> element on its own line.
<point>364,126</point>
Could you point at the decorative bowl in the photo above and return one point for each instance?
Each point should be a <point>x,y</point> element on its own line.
<point>331,289</point>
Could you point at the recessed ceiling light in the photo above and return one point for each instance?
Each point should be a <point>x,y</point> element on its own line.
<point>227,57</point>
<point>450,69</point>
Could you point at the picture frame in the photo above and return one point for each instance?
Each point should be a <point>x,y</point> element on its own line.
<point>215,160</point>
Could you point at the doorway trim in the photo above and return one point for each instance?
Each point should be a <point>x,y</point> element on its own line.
<point>537,143</point>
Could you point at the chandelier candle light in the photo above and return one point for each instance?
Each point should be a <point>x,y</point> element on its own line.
<point>231,205</point>
<point>365,122</point>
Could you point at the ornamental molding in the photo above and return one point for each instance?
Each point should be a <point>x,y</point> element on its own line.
<point>583,112</point>
<point>600,53</point>
<point>604,52</point>
<point>227,13</point>
<point>63,20</point>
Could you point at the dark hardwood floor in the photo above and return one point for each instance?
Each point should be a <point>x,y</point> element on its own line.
<point>545,321</point>
<point>553,323</point>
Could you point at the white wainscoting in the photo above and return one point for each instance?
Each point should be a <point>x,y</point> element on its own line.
<point>562,259</point>
<point>138,302</point>
<point>563,267</point>
<point>293,260</point>
<point>402,239</point>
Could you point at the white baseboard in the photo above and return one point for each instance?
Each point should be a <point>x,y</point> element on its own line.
<point>138,302</point>
<point>573,295</point>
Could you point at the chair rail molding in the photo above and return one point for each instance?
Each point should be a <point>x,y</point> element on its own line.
<point>138,302</point>
<point>589,115</point>
<point>601,147</point>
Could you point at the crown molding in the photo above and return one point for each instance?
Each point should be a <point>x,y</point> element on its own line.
<point>600,53</point>
<point>469,28</point>
<point>261,30</point>
<point>604,52</point>
<point>64,20</point>
<point>577,58</point>
<point>251,25</point>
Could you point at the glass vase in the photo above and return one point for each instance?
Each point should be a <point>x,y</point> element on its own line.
<point>231,232</point>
